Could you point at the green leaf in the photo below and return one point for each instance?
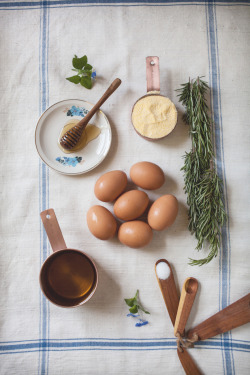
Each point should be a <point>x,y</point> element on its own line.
<point>135,304</point>
<point>130,301</point>
<point>79,63</point>
<point>88,67</point>
<point>86,82</point>
<point>74,79</point>
<point>146,312</point>
<point>133,309</point>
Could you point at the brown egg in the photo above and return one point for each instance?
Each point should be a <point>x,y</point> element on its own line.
<point>135,234</point>
<point>131,205</point>
<point>147,175</point>
<point>101,222</point>
<point>110,185</point>
<point>163,212</point>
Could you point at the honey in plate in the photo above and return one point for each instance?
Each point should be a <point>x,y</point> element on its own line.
<point>89,134</point>
<point>69,278</point>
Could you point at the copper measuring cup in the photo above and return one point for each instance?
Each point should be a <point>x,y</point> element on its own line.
<point>68,277</point>
<point>153,89</point>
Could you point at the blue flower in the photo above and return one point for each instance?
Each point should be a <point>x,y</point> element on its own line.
<point>133,315</point>
<point>64,160</point>
<point>93,75</point>
<point>141,323</point>
<point>77,111</point>
<point>74,110</point>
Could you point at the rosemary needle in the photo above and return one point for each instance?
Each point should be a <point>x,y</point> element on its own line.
<point>202,185</point>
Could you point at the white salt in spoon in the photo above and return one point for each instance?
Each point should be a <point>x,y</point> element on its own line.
<point>167,285</point>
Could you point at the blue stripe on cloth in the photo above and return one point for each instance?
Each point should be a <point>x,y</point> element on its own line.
<point>116,349</point>
<point>225,253</point>
<point>60,3</point>
<point>215,110</point>
<point>128,339</point>
<point>114,5</point>
<point>51,344</point>
<point>43,182</point>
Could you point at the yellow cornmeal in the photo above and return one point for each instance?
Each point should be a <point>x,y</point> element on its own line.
<point>154,116</point>
<point>90,132</point>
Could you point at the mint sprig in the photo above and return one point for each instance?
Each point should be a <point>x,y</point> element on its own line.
<point>135,304</point>
<point>84,71</point>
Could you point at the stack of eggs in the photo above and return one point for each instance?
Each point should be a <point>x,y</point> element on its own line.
<point>131,205</point>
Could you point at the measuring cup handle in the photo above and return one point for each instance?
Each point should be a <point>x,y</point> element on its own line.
<point>153,73</point>
<point>53,230</point>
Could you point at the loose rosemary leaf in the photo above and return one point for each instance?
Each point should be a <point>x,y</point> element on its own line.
<point>201,182</point>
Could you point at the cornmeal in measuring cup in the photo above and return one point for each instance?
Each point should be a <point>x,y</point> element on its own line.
<point>154,116</point>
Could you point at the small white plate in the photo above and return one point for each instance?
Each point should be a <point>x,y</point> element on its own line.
<point>49,127</point>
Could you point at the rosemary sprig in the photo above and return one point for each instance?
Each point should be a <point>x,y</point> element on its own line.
<point>202,184</point>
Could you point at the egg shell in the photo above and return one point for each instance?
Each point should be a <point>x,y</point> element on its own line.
<point>147,175</point>
<point>163,212</point>
<point>110,185</point>
<point>101,222</point>
<point>135,234</point>
<point>131,205</point>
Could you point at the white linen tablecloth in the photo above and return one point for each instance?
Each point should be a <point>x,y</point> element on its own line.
<point>191,38</point>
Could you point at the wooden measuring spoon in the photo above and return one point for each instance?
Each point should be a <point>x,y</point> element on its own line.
<point>234,315</point>
<point>188,294</point>
<point>170,295</point>
<point>167,285</point>
<point>72,136</point>
<point>188,363</point>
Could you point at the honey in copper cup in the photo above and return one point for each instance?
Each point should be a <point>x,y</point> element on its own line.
<point>68,277</point>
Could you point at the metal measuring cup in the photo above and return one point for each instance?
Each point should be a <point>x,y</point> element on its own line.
<point>62,286</point>
<point>153,90</point>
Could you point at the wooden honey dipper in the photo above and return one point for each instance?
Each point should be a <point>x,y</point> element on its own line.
<point>72,136</point>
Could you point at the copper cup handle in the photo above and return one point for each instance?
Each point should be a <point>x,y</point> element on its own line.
<point>153,73</point>
<point>53,230</point>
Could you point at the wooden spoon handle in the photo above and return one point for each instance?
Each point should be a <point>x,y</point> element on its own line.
<point>234,315</point>
<point>188,363</point>
<point>188,294</point>
<point>114,85</point>
<point>169,291</point>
